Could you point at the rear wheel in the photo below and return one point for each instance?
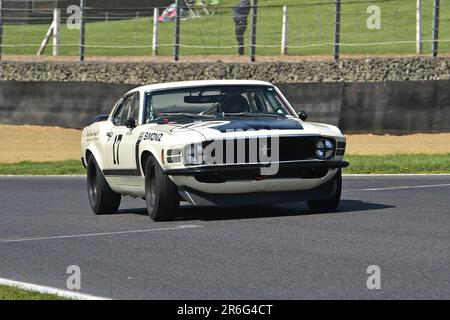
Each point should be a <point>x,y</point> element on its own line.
<point>329,204</point>
<point>161,194</point>
<point>101,198</point>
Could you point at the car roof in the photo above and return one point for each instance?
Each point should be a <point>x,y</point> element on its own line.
<point>200,83</point>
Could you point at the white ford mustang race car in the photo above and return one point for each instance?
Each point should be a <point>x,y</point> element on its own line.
<point>224,143</point>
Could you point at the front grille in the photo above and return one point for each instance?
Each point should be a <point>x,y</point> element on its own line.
<point>292,148</point>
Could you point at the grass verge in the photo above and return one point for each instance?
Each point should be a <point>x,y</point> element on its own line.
<point>407,163</point>
<point>67,167</point>
<point>11,293</point>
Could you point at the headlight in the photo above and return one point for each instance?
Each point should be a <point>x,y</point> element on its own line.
<point>324,149</point>
<point>193,154</point>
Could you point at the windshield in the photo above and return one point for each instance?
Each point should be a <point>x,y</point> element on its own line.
<point>214,102</point>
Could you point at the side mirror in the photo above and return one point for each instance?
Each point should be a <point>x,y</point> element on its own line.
<point>130,123</point>
<point>302,115</point>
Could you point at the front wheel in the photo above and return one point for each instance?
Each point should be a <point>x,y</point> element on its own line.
<point>101,198</point>
<point>161,194</point>
<point>329,204</point>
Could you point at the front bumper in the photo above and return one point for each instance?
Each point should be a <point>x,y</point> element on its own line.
<point>217,169</point>
<point>199,198</point>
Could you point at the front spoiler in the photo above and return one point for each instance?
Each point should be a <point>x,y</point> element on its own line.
<point>198,198</point>
<point>318,164</point>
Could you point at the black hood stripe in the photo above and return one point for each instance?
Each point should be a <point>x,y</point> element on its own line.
<point>260,124</point>
<point>241,124</point>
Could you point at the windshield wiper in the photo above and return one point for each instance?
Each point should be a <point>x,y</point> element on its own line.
<point>185,114</point>
<point>250,114</point>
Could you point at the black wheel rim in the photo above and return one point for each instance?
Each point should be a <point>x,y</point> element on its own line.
<point>92,184</point>
<point>151,186</point>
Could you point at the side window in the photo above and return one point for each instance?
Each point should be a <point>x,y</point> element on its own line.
<point>148,108</point>
<point>118,113</point>
<point>121,114</point>
<point>134,107</point>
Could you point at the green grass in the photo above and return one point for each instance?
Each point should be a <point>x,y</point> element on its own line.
<point>68,167</point>
<point>11,293</point>
<point>310,26</point>
<point>420,163</point>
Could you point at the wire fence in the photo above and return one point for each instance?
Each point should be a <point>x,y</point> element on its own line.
<point>212,27</point>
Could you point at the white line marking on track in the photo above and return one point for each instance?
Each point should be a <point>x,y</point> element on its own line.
<point>401,187</point>
<point>49,290</point>
<point>186,226</point>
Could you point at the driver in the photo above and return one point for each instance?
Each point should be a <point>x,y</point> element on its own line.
<point>234,103</point>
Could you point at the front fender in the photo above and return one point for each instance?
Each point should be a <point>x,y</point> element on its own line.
<point>94,151</point>
<point>169,141</point>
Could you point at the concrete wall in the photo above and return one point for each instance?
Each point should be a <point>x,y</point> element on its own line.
<point>399,107</point>
<point>321,101</point>
<point>64,104</point>
<point>394,107</point>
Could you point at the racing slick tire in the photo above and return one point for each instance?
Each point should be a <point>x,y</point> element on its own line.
<point>161,194</point>
<point>101,198</point>
<point>329,204</point>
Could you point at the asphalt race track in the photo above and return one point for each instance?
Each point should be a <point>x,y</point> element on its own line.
<point>401,224</point>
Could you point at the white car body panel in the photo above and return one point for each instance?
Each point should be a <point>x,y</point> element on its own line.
<point>99,140</point>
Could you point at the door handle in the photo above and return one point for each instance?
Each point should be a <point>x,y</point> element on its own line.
<point>109,134</point>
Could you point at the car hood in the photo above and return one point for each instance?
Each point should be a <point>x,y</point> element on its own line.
<point>233,127</point>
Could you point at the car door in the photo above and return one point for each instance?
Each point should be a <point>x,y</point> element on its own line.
<point>123,142</point>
